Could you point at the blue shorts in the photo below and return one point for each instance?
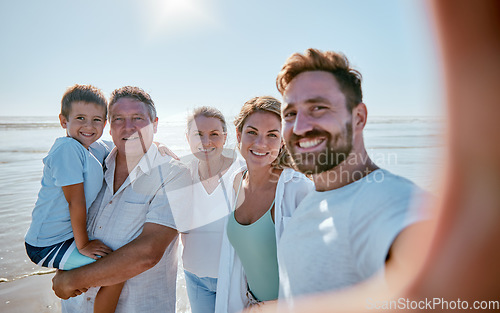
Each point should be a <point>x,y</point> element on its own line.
<point>63,255</point>
<point>201,292</point>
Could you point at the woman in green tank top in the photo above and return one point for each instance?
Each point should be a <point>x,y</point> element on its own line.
<point>251,226</point>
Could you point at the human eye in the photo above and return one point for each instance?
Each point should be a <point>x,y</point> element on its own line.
<point>318,108</point>
<point>289,115</point>
<point>272,135</point>
<point>252,132</point>
<point>214,134</point>
<point>97,119</point>
<point>80,118</point>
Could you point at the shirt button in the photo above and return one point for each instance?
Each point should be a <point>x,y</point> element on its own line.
<point>88,298</point>
<point>110,201</point>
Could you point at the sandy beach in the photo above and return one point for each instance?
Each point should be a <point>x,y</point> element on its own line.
<point>29,294</point>
<point>34,294</point>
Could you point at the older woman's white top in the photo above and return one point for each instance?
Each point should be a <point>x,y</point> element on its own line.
<point>202,241</point>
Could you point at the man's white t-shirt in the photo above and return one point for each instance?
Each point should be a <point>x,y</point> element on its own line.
<point>340,237</point>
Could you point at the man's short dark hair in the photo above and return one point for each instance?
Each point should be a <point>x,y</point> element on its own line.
<point>135,93</point>
<point>335,63</point>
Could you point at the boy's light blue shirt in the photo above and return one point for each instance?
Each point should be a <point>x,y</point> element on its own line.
<point>67,163</point>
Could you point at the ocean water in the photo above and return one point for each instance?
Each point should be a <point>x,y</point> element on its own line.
<point>407,146</point>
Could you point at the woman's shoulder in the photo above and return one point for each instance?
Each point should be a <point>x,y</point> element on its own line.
<point>237,177</point>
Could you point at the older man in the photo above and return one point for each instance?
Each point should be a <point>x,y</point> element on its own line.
<point>134,215</point>
<point>349,228</point>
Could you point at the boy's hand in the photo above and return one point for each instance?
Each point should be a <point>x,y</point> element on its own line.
<point>95,249</point>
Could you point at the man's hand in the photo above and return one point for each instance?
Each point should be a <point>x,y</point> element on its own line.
<point>137,256</point>
<point>264,306</point>
<point>164,150</point>
<point>61,287</point>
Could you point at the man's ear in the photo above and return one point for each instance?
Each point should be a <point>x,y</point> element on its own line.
<point>63,121</point>
<point>359,116</point>
<point>155,125</point>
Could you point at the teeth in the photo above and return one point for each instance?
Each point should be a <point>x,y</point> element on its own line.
<point>131,138</point>
<point>87,134</point>
<point>206,150</point>
<point>259,154</point>
<point>309,143</point>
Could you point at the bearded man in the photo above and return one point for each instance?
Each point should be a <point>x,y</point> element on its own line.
<point>350,227</point>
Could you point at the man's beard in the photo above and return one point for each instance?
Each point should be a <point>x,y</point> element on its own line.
<point>337,150</point>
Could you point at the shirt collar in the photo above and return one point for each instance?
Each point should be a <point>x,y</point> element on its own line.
<point>147,161</point>
<point>144,166</point>
<point>288,174</point>
<point>110,159</point>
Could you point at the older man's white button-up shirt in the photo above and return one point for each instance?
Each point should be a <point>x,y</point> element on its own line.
<point>158,190</point>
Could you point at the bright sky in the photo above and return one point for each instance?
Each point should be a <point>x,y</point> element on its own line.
<point>188,53</point>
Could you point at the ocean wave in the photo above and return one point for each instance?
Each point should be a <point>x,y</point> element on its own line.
<point>405,119</point>
<point>41,272</point>
<point>22,151</point>
<point>402,147</point>
<point>17,126</point>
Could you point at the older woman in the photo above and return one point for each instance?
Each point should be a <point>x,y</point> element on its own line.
<point>213,175</point>
<point>267,193</point>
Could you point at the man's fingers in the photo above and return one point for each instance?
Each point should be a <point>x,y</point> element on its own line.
<point>79,292</point>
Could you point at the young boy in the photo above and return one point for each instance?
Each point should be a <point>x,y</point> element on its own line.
<point>72,178</point>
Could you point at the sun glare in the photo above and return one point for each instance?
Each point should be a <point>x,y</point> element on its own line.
<point>177,16</point>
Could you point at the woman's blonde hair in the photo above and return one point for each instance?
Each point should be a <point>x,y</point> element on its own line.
<point>206,112</point>
<point>264,104</point>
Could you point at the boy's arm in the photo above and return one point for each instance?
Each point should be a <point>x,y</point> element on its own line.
<point>130,260</point>
<point>75,196</point>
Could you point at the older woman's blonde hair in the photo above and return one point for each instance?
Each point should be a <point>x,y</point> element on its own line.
<point>207,111</point>
<point>264,104</point>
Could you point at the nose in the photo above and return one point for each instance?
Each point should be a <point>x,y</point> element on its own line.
<point>260,141</point>
<point>129,124</point>
<point>302,123</point>
<point>204,140</point>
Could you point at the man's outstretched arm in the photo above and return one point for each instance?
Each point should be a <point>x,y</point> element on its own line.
<point>130,260</point>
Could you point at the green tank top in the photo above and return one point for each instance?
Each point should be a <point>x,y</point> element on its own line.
<point>255,245</point>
